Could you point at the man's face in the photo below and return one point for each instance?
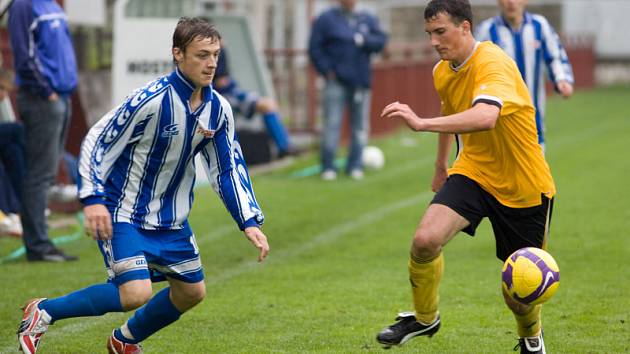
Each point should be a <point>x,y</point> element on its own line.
<point>199,60</point>
<point>446,37</point>
<point>512,9</point>
<point>348,4</point>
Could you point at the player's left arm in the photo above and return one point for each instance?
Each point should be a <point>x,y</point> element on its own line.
<point>227,172</point>
<point>445,142</point>
<point>256,236</point>
<point>556,59</point>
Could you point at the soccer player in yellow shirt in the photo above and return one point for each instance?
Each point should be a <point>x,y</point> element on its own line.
<point>499,172</point>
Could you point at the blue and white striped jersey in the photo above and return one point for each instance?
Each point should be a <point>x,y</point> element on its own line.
<point>535,43</point>
<point>139,159</point>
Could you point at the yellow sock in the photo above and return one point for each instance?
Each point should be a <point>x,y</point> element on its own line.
<point>425,276</point>
<point>529,324</point>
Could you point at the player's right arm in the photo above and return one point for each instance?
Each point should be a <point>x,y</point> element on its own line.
<point>100,149</point>
<point>480,117</point>
<point>316,46</point>
<point>97,222</point>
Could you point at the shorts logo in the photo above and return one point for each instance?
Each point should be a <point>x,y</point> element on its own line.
<point>170,130</point>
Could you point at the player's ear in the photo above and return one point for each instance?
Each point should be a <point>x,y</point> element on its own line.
<point>466,26</point>
<point>178,55</point>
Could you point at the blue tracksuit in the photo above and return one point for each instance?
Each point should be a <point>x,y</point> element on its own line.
<point>333,46</point>
<point>42,48</point>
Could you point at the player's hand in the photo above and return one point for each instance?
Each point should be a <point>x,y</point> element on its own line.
<point>53,97</point>
<point>439,178</point>
<point>565,89</point>
<point>259,240</point>
<point>98,222</point>
<point>403,111</point>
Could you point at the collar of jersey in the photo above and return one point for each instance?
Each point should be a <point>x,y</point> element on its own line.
<point>460,66</point>
<point>185,87</point>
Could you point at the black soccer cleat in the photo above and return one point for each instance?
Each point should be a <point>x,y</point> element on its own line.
<point>406,328</point>
<point>531,345</point>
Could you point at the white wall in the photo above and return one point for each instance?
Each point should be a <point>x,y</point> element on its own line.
<point>82,12</point>
<point>607,20</point>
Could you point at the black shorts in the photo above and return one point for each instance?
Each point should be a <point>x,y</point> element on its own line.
<point>514,228</point>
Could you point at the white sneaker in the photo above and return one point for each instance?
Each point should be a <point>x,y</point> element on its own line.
<point>10,225</point>
<point>329,175</point>
<point>356,175</point>
<point>33,326</point>
<point>63,193</point>
<point>531,345</point>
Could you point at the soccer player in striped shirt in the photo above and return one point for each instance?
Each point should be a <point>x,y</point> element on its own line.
<point>533,43</point>
<point>137,175</point>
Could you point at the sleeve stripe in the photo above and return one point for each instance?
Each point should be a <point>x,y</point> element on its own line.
<point>489,100</point>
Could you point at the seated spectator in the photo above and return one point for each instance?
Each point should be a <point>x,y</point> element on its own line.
<point>248,103</point>
<point>66,192</point>
<point>10,224</point>
<point>12,166</point>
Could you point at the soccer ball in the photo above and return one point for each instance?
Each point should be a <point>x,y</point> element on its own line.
<point>530,276</point>
<point>373,158</point>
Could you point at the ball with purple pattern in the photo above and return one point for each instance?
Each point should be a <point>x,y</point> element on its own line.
<point>530,276</point>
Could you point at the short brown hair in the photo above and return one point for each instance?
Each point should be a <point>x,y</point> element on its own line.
<point>459,10</point>
<point>188,28</point>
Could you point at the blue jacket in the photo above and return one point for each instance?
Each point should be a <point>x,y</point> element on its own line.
<point>43,55</point>
<point>343,42</point>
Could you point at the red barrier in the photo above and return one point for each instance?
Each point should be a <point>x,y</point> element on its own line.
<point>409,82</point>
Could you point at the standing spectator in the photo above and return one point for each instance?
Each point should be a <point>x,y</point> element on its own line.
<point>46,75</point>
<point>529,39</point>
<point>137,170</point>
<point>248,103</point>
<point>341,44</point>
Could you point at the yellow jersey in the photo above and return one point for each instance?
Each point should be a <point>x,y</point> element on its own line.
<point>506,161</point>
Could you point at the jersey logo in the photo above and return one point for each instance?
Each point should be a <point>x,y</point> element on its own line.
<point>207,133</point>
<point>170,130</point>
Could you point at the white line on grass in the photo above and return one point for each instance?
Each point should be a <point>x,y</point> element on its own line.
<point>324,237</point>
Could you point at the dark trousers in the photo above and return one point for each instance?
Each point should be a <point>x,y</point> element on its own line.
<point>45,124</point>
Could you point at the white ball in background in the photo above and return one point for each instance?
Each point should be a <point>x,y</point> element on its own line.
<point>373,158</point>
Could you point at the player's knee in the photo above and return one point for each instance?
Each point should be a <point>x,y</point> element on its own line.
<point>267,105</point>
<point>425,243</point>
<point>196,295</point>
<point>135,294</point>
<point>187,297</point>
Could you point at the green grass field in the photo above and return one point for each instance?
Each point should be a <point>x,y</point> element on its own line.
<point>337,270</point>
